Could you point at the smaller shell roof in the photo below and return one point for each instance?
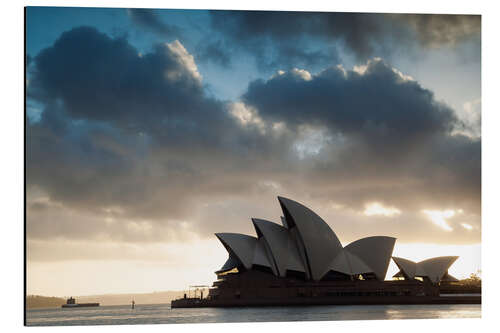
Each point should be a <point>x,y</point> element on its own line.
<point>241,246</point>
<point>408,267</point>
<point>375,252</point>
<point>434,268</point>
<point>449,278</point>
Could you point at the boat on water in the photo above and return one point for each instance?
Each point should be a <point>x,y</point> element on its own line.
<point>71,303</point>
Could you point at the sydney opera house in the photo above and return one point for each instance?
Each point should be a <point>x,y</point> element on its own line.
<point>303,261</point>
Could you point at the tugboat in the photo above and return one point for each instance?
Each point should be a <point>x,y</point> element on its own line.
<point>71,303</point>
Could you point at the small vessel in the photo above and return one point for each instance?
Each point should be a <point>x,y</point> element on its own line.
<point>71,303</point>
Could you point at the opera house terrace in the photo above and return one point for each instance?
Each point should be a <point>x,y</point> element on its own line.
<point>303,262</point>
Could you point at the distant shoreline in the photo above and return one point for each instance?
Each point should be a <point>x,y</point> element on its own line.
<point>160,297</point>
<point>40,302</point>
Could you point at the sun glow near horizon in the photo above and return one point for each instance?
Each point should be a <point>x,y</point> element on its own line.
<point>202,259</point>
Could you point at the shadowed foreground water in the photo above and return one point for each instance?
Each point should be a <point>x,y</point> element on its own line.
<point>163,314</point>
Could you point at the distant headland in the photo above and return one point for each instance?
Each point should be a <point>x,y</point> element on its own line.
<point>159,297</point>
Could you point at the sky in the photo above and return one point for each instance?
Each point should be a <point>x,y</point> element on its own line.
<point>150,130</point>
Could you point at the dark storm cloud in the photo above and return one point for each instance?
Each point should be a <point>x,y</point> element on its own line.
<point>148,19</point>
<point>364,34</point>
<point>96,76</point>
<point>101,79</point>
<point>103,103</point>
<point>125,130</point>
<point>130,148</point>
<point>393,131</point>
<point>379,106</point>
<point>274,38</point>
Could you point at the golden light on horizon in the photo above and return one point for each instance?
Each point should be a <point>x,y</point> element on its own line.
<point>192,263</point>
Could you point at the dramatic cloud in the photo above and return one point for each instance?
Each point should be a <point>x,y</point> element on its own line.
<point>127,136</point>
<point>97,76</point>
<point>375,103</point>
<point>148,19</point>
<point>280,37</point>
<point>129,148</point>
<point>273,38</point>
<point>372,126</point>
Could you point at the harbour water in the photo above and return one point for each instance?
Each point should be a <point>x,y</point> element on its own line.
<point>163,314</point>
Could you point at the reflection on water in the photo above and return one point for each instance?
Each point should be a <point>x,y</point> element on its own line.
<point>163,314</point>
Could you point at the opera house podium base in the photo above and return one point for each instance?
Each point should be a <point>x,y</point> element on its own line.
<point>304,301</point>
<point>254,288</point>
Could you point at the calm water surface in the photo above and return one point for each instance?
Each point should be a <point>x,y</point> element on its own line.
<point>163,314</point>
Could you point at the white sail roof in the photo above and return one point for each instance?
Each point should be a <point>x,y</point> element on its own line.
<point>262,257</point>
<point>349,263</point>
<point>230,263</point>
<point>283,221</point>
<point>277,239</point>
<point>341,264</point>
<point>358,266</point>
<point>294,261</point>
<point>375,251</point>
<point>321,245</point>
<point>241,246</point>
